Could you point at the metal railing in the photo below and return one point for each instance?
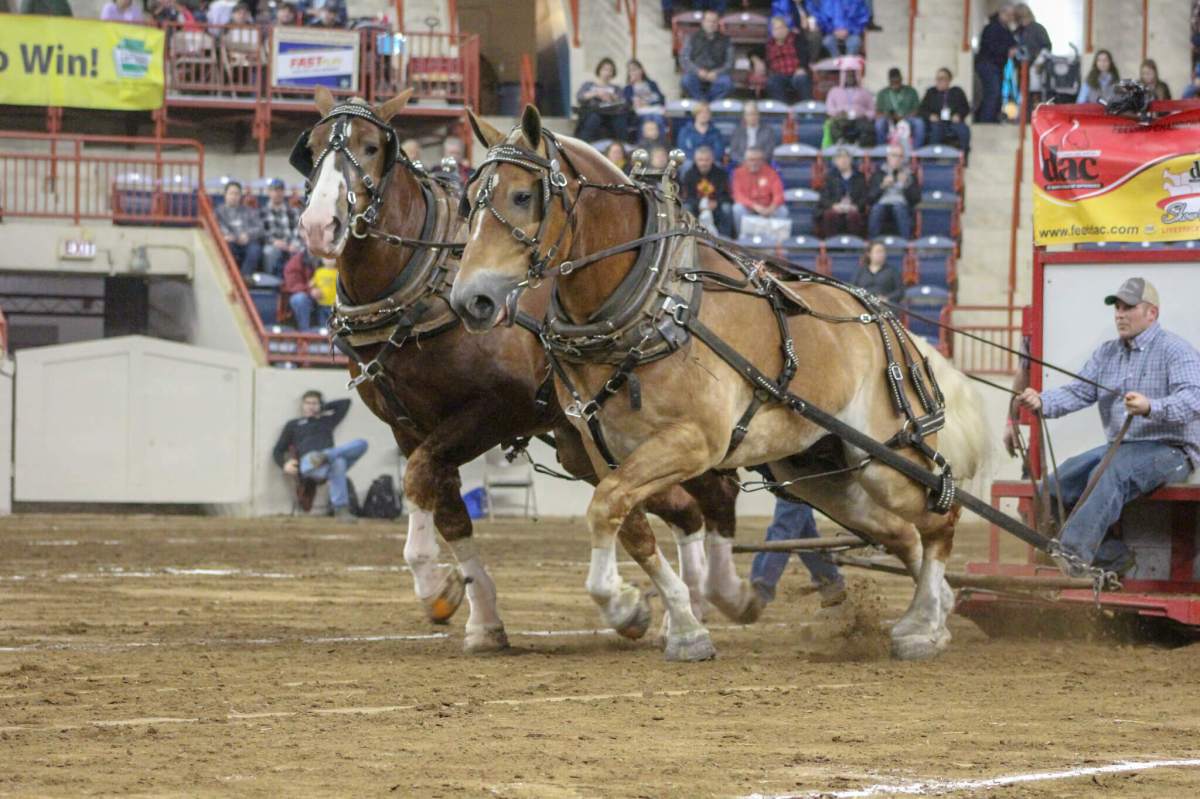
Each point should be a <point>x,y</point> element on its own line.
<point>1018,179</point>
<point>3,335</point>
<point>230,65</point>
<point>78,177</point>
<point>989,322</point>
<point>528,81</point>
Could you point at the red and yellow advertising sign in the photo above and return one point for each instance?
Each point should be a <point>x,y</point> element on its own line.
<point>1108,178</point>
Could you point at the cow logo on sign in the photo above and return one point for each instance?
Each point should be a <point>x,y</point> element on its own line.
<point>1182,203</point>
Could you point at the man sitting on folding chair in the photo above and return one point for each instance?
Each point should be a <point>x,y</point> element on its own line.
<point>315,456</point>
<point>1151,416</point>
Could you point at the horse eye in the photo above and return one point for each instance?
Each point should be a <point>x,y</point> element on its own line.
<point>370,149</point>
<point>522,198</point>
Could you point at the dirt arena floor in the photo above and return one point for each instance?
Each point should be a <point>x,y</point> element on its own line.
<point>288,657</point>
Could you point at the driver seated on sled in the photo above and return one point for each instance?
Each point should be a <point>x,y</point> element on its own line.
<point>1158,375</point>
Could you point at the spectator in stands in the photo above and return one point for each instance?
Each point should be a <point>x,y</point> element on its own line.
<point>788,79</point>
<point>324,286</point>
<point>751,132</point>
<point>659,157</point>
<point>641,93</point>
<point>280,223</point>
<point>1101,79</point>
<point>1148,75</point>
<point>603,113</point>
<point>842,23</point>
<point>892,193</point>
<point>850,109</point>
<point>877,276</point>
<point>298,291</point>
<point>121,11</point>
<point>287,15</point>
<point>241,228</point>
<point>996,46</point>
<point>651,134</point>
<point>1033,46</point>
<point>312,10</point>
<point>453,147</point>
<point>305,448</point>
<point>327,17</point>
<point>219,12</point>
<point>1193,88</point>
<point>704,190</point>
<point>175,13</point>
<point>696,5</point>
<point>615,152</point>
<point>945,108</point>
<point>701,131</point>
<point>895,102</point>
<point>411,148</point>
<point>843,197</point>
<point>241,38</point>
<point>794,520</point>
<point>757,190</point>
<point>1158,373</point>
<point>706,61</point>
<point>48,8</point>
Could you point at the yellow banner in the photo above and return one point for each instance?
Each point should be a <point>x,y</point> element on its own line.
<point>80,63</point>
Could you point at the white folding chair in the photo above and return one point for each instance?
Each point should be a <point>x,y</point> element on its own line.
<point>499,474</point>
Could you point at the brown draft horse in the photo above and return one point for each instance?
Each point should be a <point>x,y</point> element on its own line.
<point>448,396</point>
<point>691,400</point>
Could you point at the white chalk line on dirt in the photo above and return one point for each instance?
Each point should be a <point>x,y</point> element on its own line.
<point>375,710</point>
<point>110,646</point>
<point>936,786</point>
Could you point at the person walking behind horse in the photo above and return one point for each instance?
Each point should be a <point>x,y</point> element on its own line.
<point>280,224</point>
<point>241,228</point>
<point>305,448</point>
<point>1158,375</point>
<point>794,520</point>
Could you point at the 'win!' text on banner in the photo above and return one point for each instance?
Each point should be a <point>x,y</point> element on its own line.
<point>79,63</point>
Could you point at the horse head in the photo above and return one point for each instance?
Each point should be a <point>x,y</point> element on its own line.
<point>346,158</point>
<point>520,216</point>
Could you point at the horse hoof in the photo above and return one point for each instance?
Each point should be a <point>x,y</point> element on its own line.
<point>441,605</point>
<point>745,609</point>
<point>637,622</point>
<point>920,647</point>
<point>485,640</point>
<point>691,648</point>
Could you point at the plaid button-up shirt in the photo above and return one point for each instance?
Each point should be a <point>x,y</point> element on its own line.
<point>1156,363</point>
<point>280,222</point>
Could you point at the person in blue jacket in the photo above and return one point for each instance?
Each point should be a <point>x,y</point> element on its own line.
<point>700,131</point>
<point>842,23</point>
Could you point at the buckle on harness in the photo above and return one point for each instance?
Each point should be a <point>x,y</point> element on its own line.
<point>577,410</point>
<point>896,372</point>
<point>566,267</point>
<point>370,371</point>
<point>676,310</point>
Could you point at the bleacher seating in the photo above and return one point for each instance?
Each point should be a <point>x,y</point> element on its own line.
<point>727,114</point>
<point>759,244</point>
<point>264,292</point>
<point>807,252</point>
<point>897,251</point>
<point>843,254</point>
<point>809,120</point>
<point>940,168</point>
<point>796,164</point>
<point>678,113</point>
<point>928,301</point>
<point>774,115</point>
<point>939,213</point>
<point>933,261</point>
<point>802,209</point>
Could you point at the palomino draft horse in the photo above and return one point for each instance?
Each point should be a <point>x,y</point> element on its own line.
<point>641,295</point>
<point>447,396</point>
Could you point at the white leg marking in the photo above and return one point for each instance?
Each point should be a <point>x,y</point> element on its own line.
<point>675,596</point>
<point>421,553</point>
<point>603,581</point>
<point>693,566</point>
<point>485,630</point>
<point>922,632</point>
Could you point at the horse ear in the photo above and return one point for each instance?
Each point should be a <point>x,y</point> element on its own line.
<point>531,126</point>
<point>488,136</point>
<point>394,106</point>
<point>324,100</point>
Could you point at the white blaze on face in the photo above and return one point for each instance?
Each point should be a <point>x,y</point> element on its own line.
<point>321,228</point>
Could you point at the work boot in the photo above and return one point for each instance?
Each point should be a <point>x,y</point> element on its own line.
<point>317,459</point>
<point>342,515</point>
<point>833,594</point>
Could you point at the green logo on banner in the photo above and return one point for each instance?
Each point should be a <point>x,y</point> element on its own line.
<point>132,58</point>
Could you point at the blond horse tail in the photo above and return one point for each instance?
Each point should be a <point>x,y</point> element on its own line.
<point>965,440</point>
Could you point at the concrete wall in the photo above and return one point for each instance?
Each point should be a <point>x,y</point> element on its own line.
<point>6,433</point>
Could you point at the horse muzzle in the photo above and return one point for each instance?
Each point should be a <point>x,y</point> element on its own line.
<point>485,300</point>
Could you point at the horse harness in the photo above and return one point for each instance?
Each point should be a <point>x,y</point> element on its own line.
<point>654,312</point>
<point>416,305</point>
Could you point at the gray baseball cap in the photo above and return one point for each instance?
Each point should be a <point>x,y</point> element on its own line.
<point>1133,291</point>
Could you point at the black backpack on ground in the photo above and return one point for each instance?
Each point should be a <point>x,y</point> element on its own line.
<point>383,501</point>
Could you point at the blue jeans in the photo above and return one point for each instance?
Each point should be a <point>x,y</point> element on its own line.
<point>247,256</point>
<point>853,44</point>
<point>991,76</point>
<point>274,259</point>
<point>916,125</point>
<point>309,315</point>
<point>338,461</point>
<point>1138,468</point>
<point>703,90</point>
<point>740,212</point>
<point>789,88</point>
<point>792,520</point>
<point>939,132</point>
<point>900,213</point>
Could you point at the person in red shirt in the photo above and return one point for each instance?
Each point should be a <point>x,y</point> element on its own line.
<point>757,190</point>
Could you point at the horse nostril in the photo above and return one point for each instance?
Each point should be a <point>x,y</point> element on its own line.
<point>337,227</point>
<point>481,307</point>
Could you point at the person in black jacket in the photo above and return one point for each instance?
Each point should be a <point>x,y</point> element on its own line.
<point>705,187</point>
<point>305,448</point>
<point>843,197</point>
<point>996,46</point>
<point>892,192</point>
<point>879,277</point>
<point>945,108</point>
